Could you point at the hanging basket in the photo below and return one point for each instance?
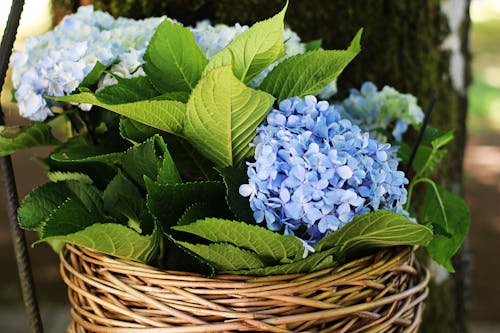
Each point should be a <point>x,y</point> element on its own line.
<point>383,292</point>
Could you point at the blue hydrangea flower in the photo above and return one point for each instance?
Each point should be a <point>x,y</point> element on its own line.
<point>56,62</point>
<point>374,110</point>
<point>314,171</point>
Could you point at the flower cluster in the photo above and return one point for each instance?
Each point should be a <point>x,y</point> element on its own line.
<point>314,171</point>
<point>375,111</point>
<point>55,63</point>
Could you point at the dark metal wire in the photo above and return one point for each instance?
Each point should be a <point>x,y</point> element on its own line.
<point>7,174</point>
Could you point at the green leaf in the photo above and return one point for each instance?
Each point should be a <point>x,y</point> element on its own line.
<point>71,216</point>
<point>448,211</point>
<point>85,154</point>
<point>112,239</point>
<point>314,262</point>
<point>135,131</point>
<point>269,246</point>
<point>94,75</point>
<point>168,202</point>
<point>58,176</point>
<point>198,211</point>
<point>313,45</point>
<point>193,166</point>
<point>15,138</point>
<point>174,61</point>
<point>239,205</point>
<point>224,257</point>
<point>165,115</point>
<point>181,96</point>
<point>144,160</point>
<point>222,115</point>
<point>168,173</point>
<point>253,50</point>
<point>377,229</point>
<point>123,200</point>
<point>309,73</point>
<point>127,91</point>
<point>430,154</point>
<point>44,200</point>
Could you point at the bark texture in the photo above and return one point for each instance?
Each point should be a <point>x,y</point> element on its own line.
<point>402,47</point>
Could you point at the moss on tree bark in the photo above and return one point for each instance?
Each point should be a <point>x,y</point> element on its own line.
<point>401,47</point>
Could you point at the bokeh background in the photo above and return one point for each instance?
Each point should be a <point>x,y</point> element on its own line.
<point>482,183</point>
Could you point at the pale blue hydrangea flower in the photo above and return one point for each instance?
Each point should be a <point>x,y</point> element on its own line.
<point>314,171</point>
<point>56,62</point>
<point>374,110</point>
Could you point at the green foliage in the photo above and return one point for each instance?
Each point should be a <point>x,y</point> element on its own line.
<point>13,139</point>
<point>165,115</point>
<point>222,115</point>
<point>449,216</point>
<point>310,72</point>
<point>374,230</point>
<point>136,132</point>
<point>168,202</point>
<point>113,239</point>
<point>124,201</point>
<point>313,262</point>
<point>254,50</point>
<point>174,62</point>
<point>271,247</point>
<point>94,75</point>
<point>144,160</point>
<point>224,257</point>
<point>131,90</point>
<point>239,205</point>
<point>46,199</point>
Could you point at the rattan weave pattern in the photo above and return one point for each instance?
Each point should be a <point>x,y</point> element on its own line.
<point>377,293</point>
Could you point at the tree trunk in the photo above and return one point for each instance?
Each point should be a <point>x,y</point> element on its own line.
<point>415,46</point>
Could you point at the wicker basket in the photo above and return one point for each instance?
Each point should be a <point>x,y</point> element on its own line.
<point>378,293</point>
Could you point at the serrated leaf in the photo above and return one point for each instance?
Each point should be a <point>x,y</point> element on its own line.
<point>44,200</point>
<point>165,115</point>
<point>239,205</point>
<point>224,257</point>
<point>193,166</point>
<point>222,115</point>
<point>198,211</point>
<point>113,239</point>
<point>123,200</point>
<point>269,246</point>
<point>448,211</point>
<point>58,176</point>
<point>314,262</point>
<point>167,203</point>
<point>144,160</point>
<point>129,90</point>
<point>135,131</point>
<point>174,61</point>
<point>309,73</point>
<point>377,229</point>
<point>168,173</point>
<point>71,216</point>
<point>254,50</point>
<point>15,138</point>
<point>85,154</point>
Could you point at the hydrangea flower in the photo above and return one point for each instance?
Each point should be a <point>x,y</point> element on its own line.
<point>374,110</point>
<point>314,171</point>
<point>56,62</point>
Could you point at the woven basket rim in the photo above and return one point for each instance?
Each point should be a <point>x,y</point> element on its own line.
<point>191,299</point>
